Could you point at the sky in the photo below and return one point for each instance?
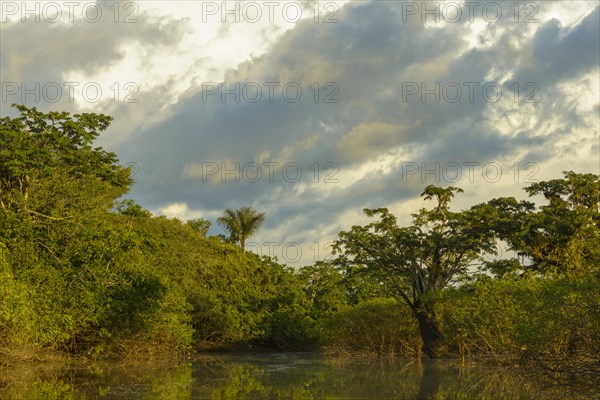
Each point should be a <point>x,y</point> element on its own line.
<point>312,111</point>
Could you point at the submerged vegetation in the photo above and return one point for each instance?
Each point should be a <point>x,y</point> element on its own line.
<point>84,273</point>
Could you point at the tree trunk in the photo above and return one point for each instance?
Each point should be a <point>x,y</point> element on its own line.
<point>433,342</point>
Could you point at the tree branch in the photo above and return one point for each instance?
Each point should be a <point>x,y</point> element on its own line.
<point>47,216</point>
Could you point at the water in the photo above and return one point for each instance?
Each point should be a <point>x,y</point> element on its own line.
<point>276,376</point>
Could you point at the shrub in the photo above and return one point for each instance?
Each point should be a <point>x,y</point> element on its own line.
<point>380,326</point>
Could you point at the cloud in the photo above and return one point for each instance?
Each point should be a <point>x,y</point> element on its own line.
<point>340,116</point>
<point>45,53</point>
<point>562,53</point>
<point>368,139</point>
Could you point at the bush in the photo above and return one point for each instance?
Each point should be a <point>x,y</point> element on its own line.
<point>16,312</point>
<point>380,326</point>
<point>551,321</point>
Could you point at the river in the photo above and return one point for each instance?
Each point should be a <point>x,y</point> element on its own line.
<point>276,376</point>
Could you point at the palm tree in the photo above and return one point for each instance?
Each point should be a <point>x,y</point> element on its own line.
<point>241,224</point>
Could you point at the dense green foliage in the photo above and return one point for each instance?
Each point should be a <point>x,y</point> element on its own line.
<point>84,272</point>
<point>554,322</point>
<point>378,326</point>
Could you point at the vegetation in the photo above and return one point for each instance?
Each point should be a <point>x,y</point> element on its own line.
<point>84,272</point>
<point>241,224</point>
<point>418,261</point>
<point>548,322</point>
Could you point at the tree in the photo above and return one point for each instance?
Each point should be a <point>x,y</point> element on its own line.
<point>199,225</point>
<point>562,236</point>
<point>44,158</point>
<point>324,288</point>
<point>241,223</point>
<point>130,208</point>
<point>418,261</point>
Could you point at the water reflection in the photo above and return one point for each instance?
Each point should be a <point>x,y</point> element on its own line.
<point>271,376</point>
